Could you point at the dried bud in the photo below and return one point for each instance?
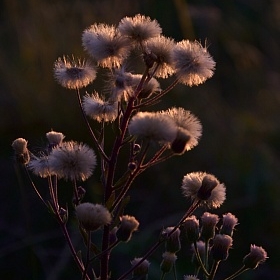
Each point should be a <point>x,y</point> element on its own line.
<point>209,222</point>
<point>141,269</point>
<point>132,166</point>
<point>229,222</point>
<point>168,261</point>
<point>221,245</point>
<point>191,226</point>
<point>54,138</point>
<point>256,256</point>
<point>20,147</point>
<point>173,243</point>
<point>128,225</point>
<point>136,149</point>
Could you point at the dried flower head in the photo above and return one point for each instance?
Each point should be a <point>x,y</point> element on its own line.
<point>92,216</point>
<point>153,126</point>
<point>229,223</point>
<point>72,161</point>
<point>54,138</point>
<point>73,74</point>
<point>172,243</point>
<point>160,49</point>
<point>208,225</point>
<point>189,129</point>
<point>168,260</point>
<point>105,44</point>
<point>205,188</point>
<point>21,152</point>
<point>128,225</point>
<point>40,166</point>
<point>141,269</point>
<point>99,109</point>
<point>221,245</point>
<point>139,28</point>
<point>191,228</point>
<point>256,256</point>
<point>192,62</point>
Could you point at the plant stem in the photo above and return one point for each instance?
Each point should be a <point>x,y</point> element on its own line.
<point>237,273</point>
<point>111,172</point>
<point>213,270</point>
<point>87,257</point>
<point>101,151</point>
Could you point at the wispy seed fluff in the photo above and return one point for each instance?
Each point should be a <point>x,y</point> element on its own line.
<point>161,48</point>
<point>98,109</point>
<point>72,161</point>
<point>73,74</point>
<point>92,216</point>
<point>105,44</point>
<point>40,166</point>
<point>139,28</point>
<point>189,129</point>
<point>195,186</point>
<point>153,126</point>
<point>192,62</point>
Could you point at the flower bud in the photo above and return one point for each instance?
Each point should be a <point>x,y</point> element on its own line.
<point>142,269</point>
<point>173,243</point>
<point>229,222</point>
<point>132,166</point>
<point>136,149</point>
<point>20,147</point>
<point>191,227</point>
<point>256,256</point>
<point>167,262</point>
<point>92,216</point>
<point>221,246</point>
<point>209,222</point>
<point>54,138</point>
<point>128,225</point>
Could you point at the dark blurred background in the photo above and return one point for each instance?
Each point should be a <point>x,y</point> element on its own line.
<point>238,107</point>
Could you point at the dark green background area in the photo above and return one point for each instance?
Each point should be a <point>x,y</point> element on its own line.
<point>238,108</point>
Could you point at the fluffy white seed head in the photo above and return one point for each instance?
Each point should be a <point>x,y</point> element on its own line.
<point>92,216</point>
<point>161,48</point>
<point>106,45</point>
<point>72,161</point>
<point>139,28</point>
<point>73,74</point>
<point>153,126</point>
<point>192,62</point>
<point>98,109</point>
<point>192,184</point>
